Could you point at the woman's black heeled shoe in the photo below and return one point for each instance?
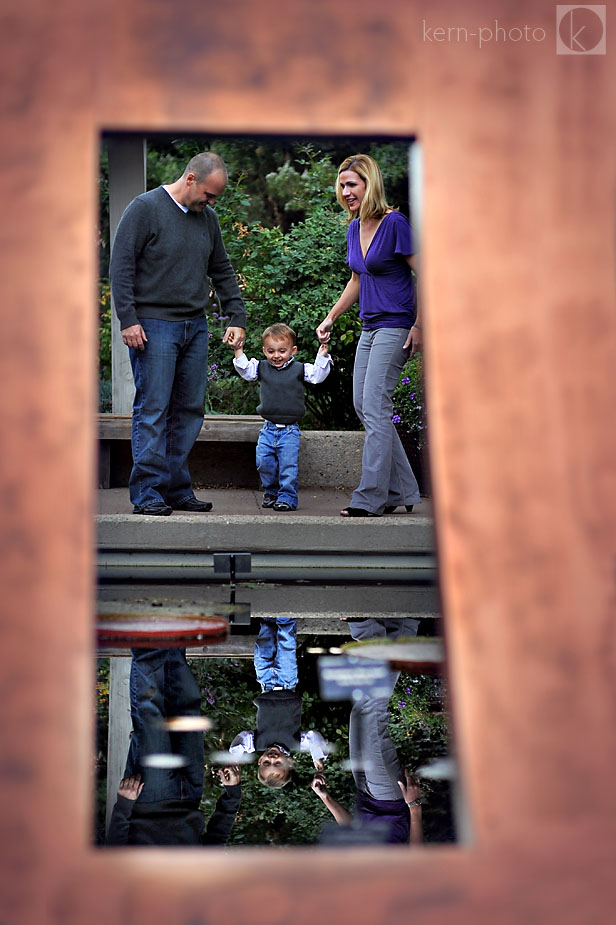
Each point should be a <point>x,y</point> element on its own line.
<point>356,512</point>
<point>394,507</point>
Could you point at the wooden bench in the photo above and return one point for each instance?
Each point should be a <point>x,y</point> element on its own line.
<point>217,428</point>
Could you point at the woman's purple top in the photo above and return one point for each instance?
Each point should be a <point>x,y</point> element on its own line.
<point>386,289</point>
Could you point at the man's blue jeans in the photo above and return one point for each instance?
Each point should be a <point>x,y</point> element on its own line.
<point>170,379</point>
<point>276,654</point>
<point>278,461</point>
<point>162,686</point>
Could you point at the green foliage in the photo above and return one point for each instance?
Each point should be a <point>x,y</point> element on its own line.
<point>104,328</point>
<point>104,342</point>
<point>409,402</point>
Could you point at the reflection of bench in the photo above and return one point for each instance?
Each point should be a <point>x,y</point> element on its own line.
<point>217,428</point>
<point>327,458</point>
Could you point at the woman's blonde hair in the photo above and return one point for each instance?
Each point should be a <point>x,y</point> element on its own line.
<point>374,204</point>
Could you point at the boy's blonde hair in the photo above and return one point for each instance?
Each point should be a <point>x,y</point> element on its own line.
<point>280,331</point>
<point>275,778</point>
<point>374,204</point>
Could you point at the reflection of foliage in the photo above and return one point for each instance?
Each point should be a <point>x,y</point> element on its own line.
<point>419,728</point>
<point>294,815</point>
<point>102,727</point>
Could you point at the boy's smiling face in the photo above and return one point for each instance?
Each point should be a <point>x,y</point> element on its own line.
<point>278,352</point>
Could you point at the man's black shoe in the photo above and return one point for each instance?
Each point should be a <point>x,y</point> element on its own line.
<point>194,506</point>
<point>155,509</point>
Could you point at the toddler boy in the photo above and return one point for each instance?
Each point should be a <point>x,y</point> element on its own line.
<point>279,708</point>
<point>281,379</point>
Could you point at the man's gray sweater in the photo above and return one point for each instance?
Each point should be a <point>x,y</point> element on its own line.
<point>162,258</point>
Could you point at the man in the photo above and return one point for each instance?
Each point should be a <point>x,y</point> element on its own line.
<point>167,244</point>
<point>159,796</point>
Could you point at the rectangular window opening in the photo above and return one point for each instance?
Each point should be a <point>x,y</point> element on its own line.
<point>298,649</point>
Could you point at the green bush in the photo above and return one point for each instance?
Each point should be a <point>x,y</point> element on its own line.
<point>409,402</point>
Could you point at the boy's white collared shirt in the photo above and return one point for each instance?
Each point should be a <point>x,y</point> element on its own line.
<point>310,741</point>
<point>314,373</point>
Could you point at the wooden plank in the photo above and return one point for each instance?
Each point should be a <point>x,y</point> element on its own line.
<point>218,428</point>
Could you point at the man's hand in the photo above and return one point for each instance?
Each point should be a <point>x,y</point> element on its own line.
<point>130,787</point>
<point>410,788</point>
<point>230,775</point>
<point>235,337</point>
<point>319,786</point>
<point>134,337</point>
<point>319,764</point>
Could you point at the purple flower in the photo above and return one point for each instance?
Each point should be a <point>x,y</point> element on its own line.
<point>401,703</point>
<point>396,419</point>
<point>412,396</point>
<point>405,381</point>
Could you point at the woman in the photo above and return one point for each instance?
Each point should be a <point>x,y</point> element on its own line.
<point>379,252</point>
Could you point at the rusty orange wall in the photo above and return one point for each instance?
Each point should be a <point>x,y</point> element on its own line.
<point>518,286</point>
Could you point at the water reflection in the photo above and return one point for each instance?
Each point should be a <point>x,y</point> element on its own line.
<point>287,761</point>
<point>388,799</point>
<point>158,800</point>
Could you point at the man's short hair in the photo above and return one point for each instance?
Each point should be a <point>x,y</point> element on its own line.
<point>202,165</point>
<point>280,331</point>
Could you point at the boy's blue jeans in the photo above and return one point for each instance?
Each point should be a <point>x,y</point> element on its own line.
<point>278,461</point>
<point>170,379</point>
<point>276,654</point>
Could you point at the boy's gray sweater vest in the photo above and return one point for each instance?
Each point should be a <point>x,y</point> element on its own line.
<point>282,393</point>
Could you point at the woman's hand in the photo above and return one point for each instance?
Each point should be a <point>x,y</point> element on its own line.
<point>414,340</point>
<point>318,785</point>
<point>410,788</point>
<point>324,331</point>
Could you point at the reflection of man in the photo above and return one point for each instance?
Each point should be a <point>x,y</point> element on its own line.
<point>173,822</point>
<point>167,244</point>
<point>158,800</point>
<point>387,798</point>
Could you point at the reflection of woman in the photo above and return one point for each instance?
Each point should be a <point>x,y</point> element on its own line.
<point>379,252</point>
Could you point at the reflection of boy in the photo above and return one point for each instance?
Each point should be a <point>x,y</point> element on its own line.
<point>278,735</point>
<point>279,707</point>
<point>282,405</point>
<point>275,654</point>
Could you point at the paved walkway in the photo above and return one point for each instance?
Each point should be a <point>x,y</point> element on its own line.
<point>233,501</point>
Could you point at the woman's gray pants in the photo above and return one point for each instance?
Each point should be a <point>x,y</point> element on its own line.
<point>374,760</point>
<point>386,475</point>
